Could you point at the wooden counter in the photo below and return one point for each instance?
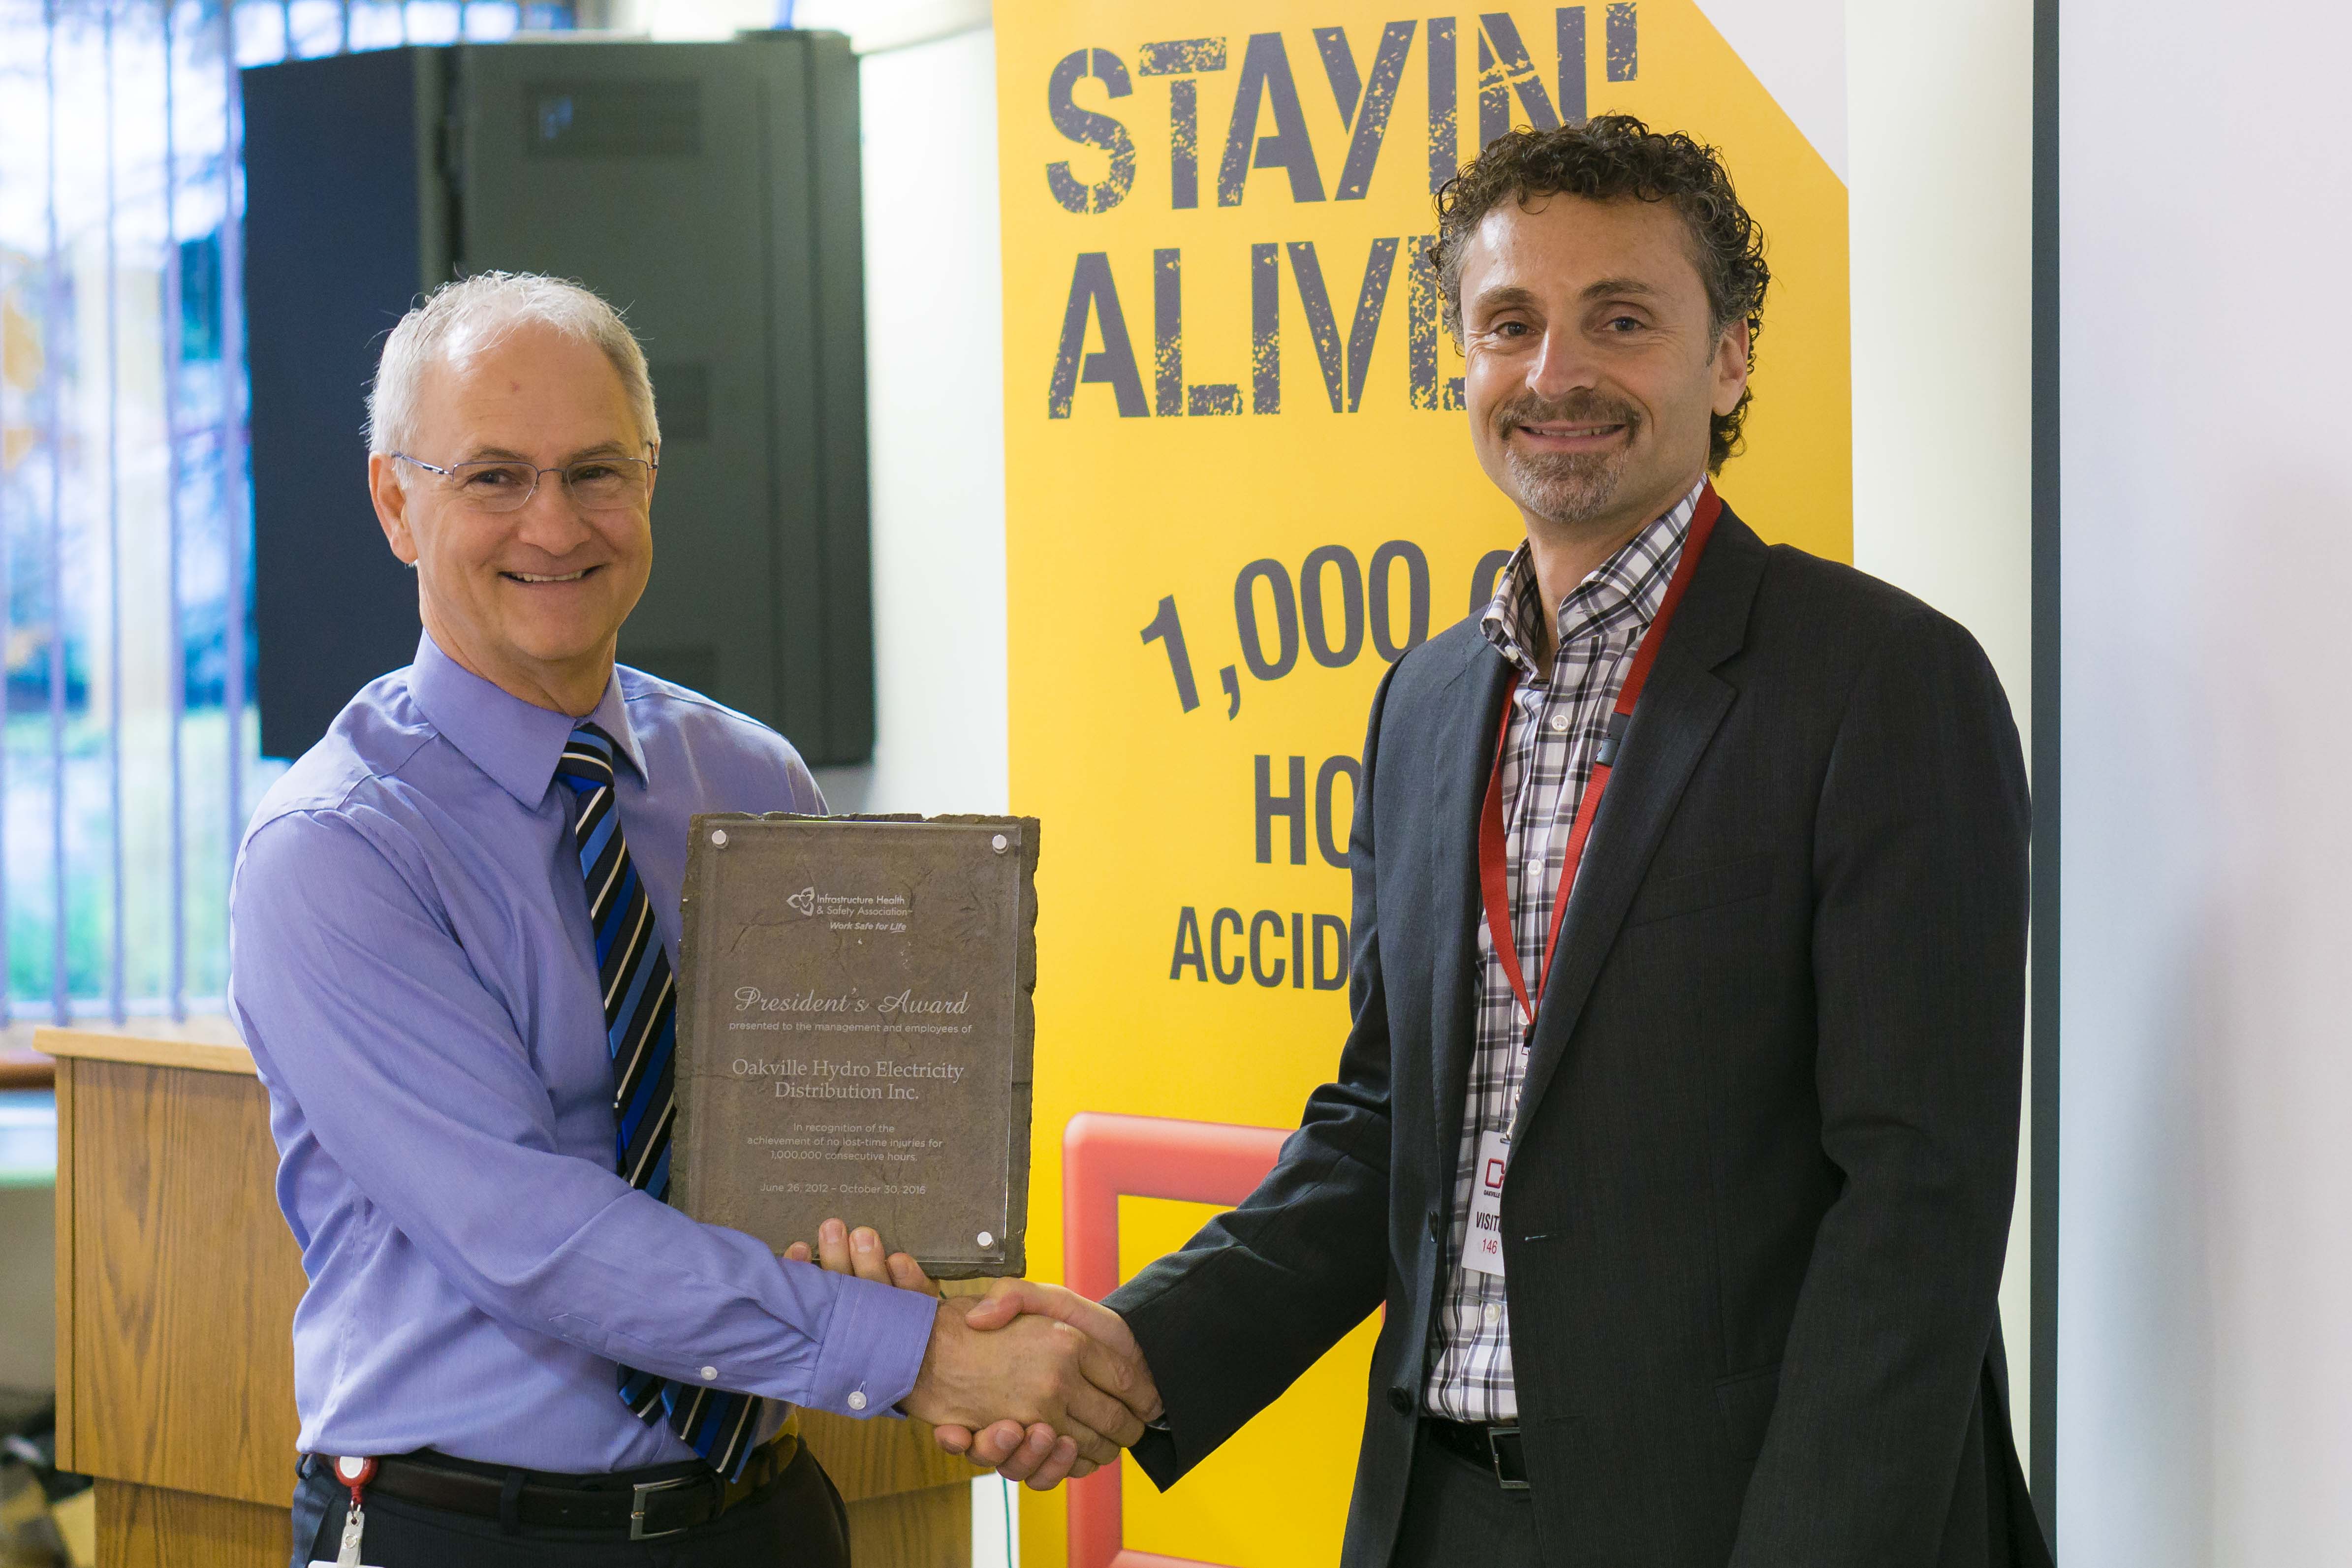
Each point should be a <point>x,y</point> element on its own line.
<point>26,1069</point>
<point>177,1281</point>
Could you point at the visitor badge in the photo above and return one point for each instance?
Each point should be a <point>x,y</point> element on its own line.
<point>1481,1248</point>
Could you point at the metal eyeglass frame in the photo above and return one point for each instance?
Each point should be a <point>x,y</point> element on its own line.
<point>652,463</point>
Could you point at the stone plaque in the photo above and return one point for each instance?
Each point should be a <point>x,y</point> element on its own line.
<point>855,1032</point>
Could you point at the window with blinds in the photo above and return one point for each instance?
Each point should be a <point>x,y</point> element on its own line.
<point>128,741</point>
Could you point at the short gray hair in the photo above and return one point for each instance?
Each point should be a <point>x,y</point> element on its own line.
<point>458,320</point>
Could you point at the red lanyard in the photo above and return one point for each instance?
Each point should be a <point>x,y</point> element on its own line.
<point>1491,878</point>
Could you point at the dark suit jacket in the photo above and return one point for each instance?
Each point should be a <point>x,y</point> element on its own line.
<point>1760,1187</point>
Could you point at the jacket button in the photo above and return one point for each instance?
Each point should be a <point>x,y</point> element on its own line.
<point>1436,1225</point>
<point>1400,1401</point>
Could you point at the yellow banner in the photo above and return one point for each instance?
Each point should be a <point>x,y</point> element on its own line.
<point>1238,486</point>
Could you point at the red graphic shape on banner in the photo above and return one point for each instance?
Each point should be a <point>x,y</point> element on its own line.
<point>1105,1158</point>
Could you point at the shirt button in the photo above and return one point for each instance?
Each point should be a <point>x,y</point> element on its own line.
<point>1493,1313</point>
<point>1559,720</point>
<point>710,1374</point>
<point>857,1399</point>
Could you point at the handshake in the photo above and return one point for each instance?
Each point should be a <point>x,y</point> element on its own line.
<point>1032,1380</point>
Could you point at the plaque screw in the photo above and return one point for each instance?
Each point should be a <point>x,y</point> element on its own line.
<point>986,1239</point>
<point>719,837</point>
<point>999,845</point>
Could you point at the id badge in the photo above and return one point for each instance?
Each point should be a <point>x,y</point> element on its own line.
<point>348,1556</point>
<point>1481,1248</point>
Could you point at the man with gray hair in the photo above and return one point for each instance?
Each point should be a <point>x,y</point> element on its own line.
<point>452,930</point>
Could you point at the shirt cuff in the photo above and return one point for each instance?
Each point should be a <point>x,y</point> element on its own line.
<point>874,1347</point>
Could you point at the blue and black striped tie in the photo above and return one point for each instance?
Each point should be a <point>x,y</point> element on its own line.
<point>641,1028</point>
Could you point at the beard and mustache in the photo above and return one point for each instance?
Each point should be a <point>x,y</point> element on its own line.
<point>1567,488</point>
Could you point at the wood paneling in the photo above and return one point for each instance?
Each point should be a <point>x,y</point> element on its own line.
<point>184,1284</point>
<point>870,1458</point>
<point>929,1529</point>
<point>68,1452</point>
<point>148,1527</point>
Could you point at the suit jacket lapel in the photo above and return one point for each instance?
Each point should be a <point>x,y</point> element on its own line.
<point>1462,755</point>
<point>1678,714</point>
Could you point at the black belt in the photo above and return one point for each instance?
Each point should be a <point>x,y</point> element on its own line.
<point>637,1505</point>
<point>1493,1447</point>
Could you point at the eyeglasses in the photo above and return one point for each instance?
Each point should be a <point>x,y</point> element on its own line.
<point>596,484</point>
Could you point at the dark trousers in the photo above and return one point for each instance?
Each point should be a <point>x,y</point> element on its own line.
<point>1456,1512</point>
<point>797,1520</point>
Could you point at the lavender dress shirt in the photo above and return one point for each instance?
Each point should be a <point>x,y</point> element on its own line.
<point>411,964</point>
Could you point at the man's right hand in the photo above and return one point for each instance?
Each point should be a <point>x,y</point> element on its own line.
<point>1036,1452</point>
<point>1023,1372</point>
<point>1030,1453</point>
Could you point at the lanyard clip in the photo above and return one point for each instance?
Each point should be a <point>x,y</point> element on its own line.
<point>1605,756</point>
<point>355,1473</point>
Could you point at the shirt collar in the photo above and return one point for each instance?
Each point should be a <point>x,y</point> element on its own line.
<point>1633,578</point>
<point>517,744</point>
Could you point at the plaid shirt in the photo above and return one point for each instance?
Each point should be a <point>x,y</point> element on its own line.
<point>1558,722</point>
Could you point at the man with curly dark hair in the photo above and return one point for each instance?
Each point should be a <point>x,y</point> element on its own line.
<point>1676,1130</point>
<point>1615,159</point>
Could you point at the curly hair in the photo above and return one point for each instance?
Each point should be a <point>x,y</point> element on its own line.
<point>1606,158</point>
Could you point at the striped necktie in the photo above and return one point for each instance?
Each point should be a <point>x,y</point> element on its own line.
<point>641,1028</point>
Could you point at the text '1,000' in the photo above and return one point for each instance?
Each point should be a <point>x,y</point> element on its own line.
<point>1333,608</point>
